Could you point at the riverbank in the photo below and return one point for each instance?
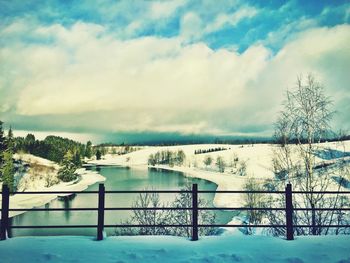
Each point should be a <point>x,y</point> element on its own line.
<point>28,201</point>
<point>256,157</point>
<point>224,182</point>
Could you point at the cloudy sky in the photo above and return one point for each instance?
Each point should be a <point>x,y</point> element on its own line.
<point>108,68</point>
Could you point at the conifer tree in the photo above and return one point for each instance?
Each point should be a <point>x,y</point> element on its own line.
<point>66,173</point>
<point>98,154</point>
<point>88,150</point>
<point>2,148</point>
<point>10,140</point>
<point>8,170</point>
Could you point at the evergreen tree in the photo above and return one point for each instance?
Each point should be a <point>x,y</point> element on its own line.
<point>98,154</point>
<point>29,141</point>
<point>88,150</point>
<point>77,158</point>
<point>10,140</point>
<point>2,143</point>
<point>2,148</point>
<point>66,172</point>
<point>8,170</point>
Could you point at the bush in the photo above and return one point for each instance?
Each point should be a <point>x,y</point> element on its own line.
<point>167,217</point>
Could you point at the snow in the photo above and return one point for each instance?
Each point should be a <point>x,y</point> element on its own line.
<point>30,158</point>
<point>258,158</point>
<point>215,249</point>
<point>28,201</point>
<point>231,246</point>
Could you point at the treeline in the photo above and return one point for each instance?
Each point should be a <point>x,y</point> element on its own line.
<point>295,140</point>
<point>66,152</point>
<point>209,140</point>
<point>53,148</point>
<point>167,157</point>
<point>120,150</point>
<point>200,151</point>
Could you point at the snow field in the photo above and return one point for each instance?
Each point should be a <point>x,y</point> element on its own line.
<point>153,249</point>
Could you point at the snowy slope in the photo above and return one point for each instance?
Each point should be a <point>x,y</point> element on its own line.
<point>257,157</point>
<point>154,249</point>
<point>27,201</point>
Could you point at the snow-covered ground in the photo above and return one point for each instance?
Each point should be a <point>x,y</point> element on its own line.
<point>155,249</point>
<point>37,183</point>
<point>258,159</point>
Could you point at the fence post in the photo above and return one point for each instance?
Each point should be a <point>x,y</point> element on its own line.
<point>313,219</point>
<point>101,211</point>
<point>289,212</point>
<point>194,212</point>
<point>5,202</point>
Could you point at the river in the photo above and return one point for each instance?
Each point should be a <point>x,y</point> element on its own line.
<point>117,178</point>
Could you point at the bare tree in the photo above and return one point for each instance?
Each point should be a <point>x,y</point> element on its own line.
<point>146,217</point>
<point>184,217</point>
<point>167,217</point>
<point>253,200</point>
<point>207,161</point>
<point>301,126</point>
<point>221,164</point>
<point>242,169</point>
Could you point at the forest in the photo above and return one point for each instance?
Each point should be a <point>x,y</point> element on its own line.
<point>68,153</point>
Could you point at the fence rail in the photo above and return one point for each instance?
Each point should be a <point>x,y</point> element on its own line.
<point>289,210</point>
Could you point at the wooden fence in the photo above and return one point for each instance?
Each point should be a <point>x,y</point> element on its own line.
<point>289,210</point>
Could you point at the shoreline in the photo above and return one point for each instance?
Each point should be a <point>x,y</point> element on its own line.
<point>29,201</point>
<point>222,181</point>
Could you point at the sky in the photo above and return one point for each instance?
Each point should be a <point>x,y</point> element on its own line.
<point>110,70</point>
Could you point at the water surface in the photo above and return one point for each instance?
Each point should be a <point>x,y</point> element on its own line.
<point>117,178</point>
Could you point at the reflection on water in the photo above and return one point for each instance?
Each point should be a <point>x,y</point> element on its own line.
<point>117,178</point>
<point>67,200</point>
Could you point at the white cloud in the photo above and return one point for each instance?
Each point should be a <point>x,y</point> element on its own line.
<point>191,27</point>
<point>161,9</point>
<point>160,84</point>
<point>286,32</point>
<point>232,20</point>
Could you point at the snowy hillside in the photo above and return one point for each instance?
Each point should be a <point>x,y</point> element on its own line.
<point>36,177</point>
<point>257,158</point>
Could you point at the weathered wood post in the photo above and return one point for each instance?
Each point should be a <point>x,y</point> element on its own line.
<point>5,203</point>
<point>101,211</point>
<point>289,212</point>
<point>194,212</point>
